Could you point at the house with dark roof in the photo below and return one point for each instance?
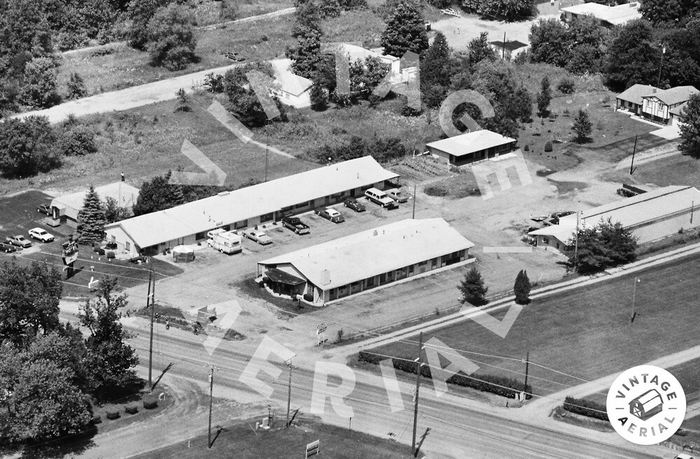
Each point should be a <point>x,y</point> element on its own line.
<point>631,98</point>
<point>658,105</point>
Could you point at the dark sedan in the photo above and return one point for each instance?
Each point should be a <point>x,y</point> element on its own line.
<point>354,204</point>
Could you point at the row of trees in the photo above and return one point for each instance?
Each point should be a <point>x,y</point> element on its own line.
<point>473,290</point>
<point>32,145</point>
<point>50,374</point>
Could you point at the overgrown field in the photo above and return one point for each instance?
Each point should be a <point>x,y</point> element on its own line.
<point>586,333</point>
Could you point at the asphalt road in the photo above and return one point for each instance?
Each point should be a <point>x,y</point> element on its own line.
<point>455,430</point>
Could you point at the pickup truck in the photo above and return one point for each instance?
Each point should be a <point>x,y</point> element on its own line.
<point>295,224</point>
<point>18,241</point>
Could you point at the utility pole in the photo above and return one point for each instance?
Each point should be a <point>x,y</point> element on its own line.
<point>211,391</point>
<point>578,216</point>
<point>150,345</point>
<point>527,367</point>
<point>634,299</point>
<point>692,211</point>
<point>266,160</point>
<point>503,54</point>
<point>413,215</point>
<point>289,391</point>
<point>663,52</point>
<point>415,404</point>
<point>634,150</point>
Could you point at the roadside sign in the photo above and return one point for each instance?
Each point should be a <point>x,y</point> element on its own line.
<point>313,448</point>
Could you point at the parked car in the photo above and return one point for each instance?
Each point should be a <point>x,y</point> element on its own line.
<point>331,214</point>
<point>354,204</point>
<point>7,247</point>
<point>295,224</point>
<point>397,195</point>
<point>138,259</point>
<point>18,241</point>
<point>41,235</point>
<point>258,236</point>
<point>379,197</point>
<point>44,209</point>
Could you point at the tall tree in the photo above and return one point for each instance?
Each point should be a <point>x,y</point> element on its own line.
<point>509,10</point>
<point>139,13</point>
<point>544,98</point>
<point>27,147</point>
<point>39,85</point>
<point>632,57</point>
<point>109,359</point>
<point>605,245</point>
<point>29,297</point>
<point>582,126</point>
<point>76,86</point>
<point>675,12</point>
<point>158,194</point>
<point>522,288</point>
<point>690,128</point>
<point>435,71</point>
<point>405,30</point>
<point>479,49</point>
<point>91,219</point>
<point>306,55</point>
<point>171,37</point>
<point>472,288</point>
<point>549,42</point>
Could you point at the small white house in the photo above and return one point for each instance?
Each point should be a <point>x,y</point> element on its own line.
<point>291,89</point>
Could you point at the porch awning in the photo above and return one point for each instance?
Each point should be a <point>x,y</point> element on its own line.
<point>281,277</point>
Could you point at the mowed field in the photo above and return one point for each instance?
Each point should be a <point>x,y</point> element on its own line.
<point>586,333</point>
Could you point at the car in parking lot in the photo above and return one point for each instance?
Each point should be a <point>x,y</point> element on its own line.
<point>7,247</point>
<point>295,224</point>
<point>331,214</point>
<point>18,241</point>
<point>258,236</point>
<point>379,197</point>
<point>397,195</point>
<point>41,235</point>
<point>44,209</point>
<point>354,204</point>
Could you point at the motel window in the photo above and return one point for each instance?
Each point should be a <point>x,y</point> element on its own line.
<point>382,278</point>
<point>369,283</point>
<point>401,273</point>
<point>127,244</point>
<point>356,287</point>
<point>545,240</point>
<point>333,294</point>
<point>342,291</point>
<point>390,276</point>
<point>241,224</point>
<point>266,217</point>
<point>433,263</point>
<point>199,236</point>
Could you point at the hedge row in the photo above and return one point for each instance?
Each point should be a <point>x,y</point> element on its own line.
<point>586,408</point>
<point>499,385</point>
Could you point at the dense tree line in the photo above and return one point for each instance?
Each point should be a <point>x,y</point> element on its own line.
<point>382,149</point>
<point>509,10</point>
<point>32,145</point>
<point>603,246</point>
<point>50,373</point>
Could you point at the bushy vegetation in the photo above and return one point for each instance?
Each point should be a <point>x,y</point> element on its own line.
<point>509,10</point>
<point>505,387</point>
<point>604,246</point>
<point>586,408</point>
<point>382,150</point>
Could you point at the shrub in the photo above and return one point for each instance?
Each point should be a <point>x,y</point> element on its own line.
<point>526,148</point>
<point>435,190</point>
<point>77,140</point>
<point>566,86</point>
<point>586,408</point>
<point>132,409</point>
<point>113,414</point>
<point>110,254</point>
<point>96,420</point>
<point>505,387</point>
<point>150,402</point>
<point>548,146</point>
<point>214,83</point>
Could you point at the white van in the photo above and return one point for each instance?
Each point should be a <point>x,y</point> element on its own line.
<point>226,242</point>
<point>379,197</point>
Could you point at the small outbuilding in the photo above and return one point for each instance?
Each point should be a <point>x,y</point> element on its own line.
<point>471,147</point>
<point>183,254</point>
<point>68,205</point>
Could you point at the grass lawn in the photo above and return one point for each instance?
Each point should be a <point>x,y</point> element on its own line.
<point>146,141</point>
<point>585,333</point>
<point>610,139</point>
<point>673,170</point>
<point>241,441</point>
<point>124,67</point>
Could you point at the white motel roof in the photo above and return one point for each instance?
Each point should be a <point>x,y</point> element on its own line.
<point>630,212</point>
<point>125,194</point>
<point>616,15</point>
<point>470,142</point>
<point>373,252</point>
<point>245,203</point>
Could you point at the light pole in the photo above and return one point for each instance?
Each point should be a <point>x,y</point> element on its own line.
<point>415,404</point>
<point>289,391</point>
<point>634,298</point>
<point>661,64</point>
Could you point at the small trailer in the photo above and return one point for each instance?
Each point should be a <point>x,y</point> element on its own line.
<point>226,242</point>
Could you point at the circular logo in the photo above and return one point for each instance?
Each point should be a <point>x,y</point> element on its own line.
<point>646,405</point>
